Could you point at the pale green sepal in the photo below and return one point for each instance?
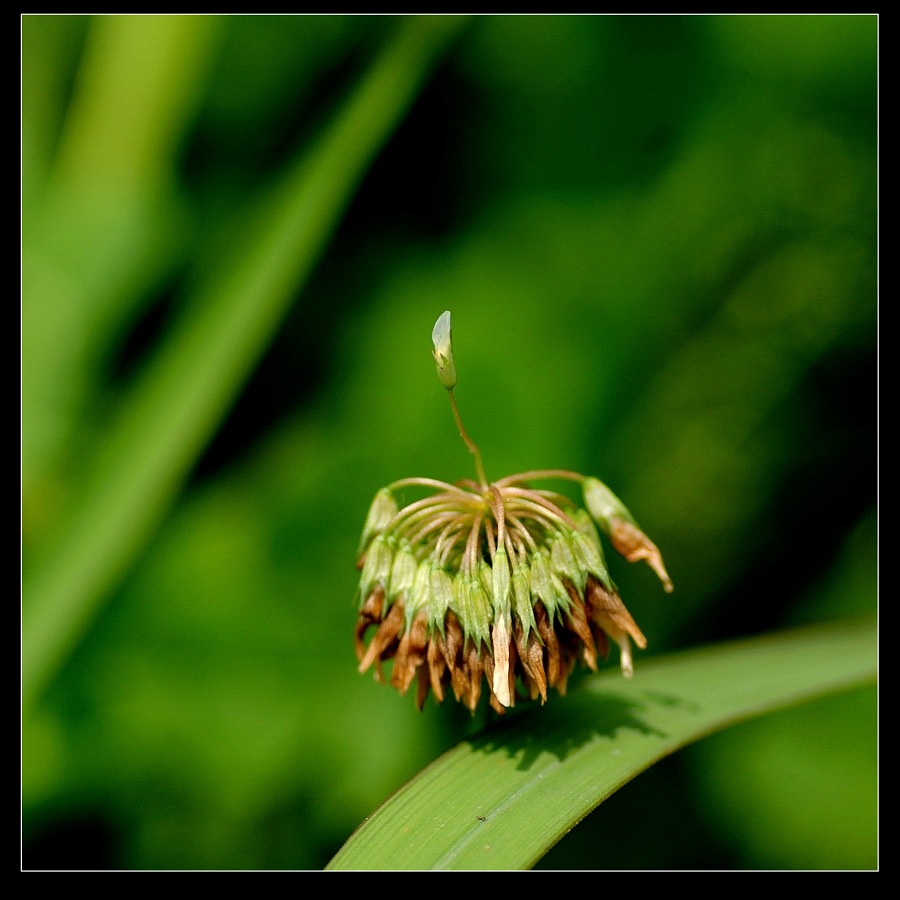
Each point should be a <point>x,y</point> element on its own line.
<point>441,596</point>
<point>377,568</point>
<point>418,595</point>
<point>586,524</point>
<point>563,561</point>
<point>472,607</point>
<point>500,583</point>
<point>545,586</point>
<point>481,608</point>
<point>403,571</point>
<point>589,557</point>
<point>603,504</point>
<point>521,592</point>
<point>382,509</point>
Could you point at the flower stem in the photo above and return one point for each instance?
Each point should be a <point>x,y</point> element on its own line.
<point>427,482</point>
<point>537,474</point>
<point>473,447</point>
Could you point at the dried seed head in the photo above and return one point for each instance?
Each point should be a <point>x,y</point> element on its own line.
<point>502,584</point>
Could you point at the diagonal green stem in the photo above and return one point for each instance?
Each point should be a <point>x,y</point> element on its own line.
<point>187,391</point>
<point>473,447</point>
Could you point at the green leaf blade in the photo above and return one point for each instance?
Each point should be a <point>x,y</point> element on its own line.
<point>503,799</point>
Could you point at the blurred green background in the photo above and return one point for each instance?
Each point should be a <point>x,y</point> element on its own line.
<point>658,239</point>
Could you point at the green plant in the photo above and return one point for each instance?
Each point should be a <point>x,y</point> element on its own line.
<point>499,581</point>
<point>503,798</point>
<point>660,237</point>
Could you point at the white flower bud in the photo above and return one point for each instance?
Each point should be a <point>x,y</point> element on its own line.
<point>442,337</point>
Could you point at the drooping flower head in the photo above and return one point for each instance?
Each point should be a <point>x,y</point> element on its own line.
<point>501,584</point>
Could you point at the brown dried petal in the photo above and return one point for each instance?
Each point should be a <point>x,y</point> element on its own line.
<point>359,634</point>
<point>633,544</point>
<point>496,705</point>
<point>601,640</point>
<point>521,646</point>
<point>410,653</point>
<point>422,688</point>
<point>418,633</point>
<point>487,664</point>
<point>380,645</point>
<point>499,677</point>
<point>437,666</point>
<point>373,608</point>
<point>534,652</point>
<point>513,661</point>
<point>453,643</point>
<point>531,656</point>
<point>551,644</point>
<point>404,666</point>
<point>567,663</point>
<point>576,621</point>
<point>474,669</point>
<point>369,614</point>
<point>608,611</point>
<point>459,682</point>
